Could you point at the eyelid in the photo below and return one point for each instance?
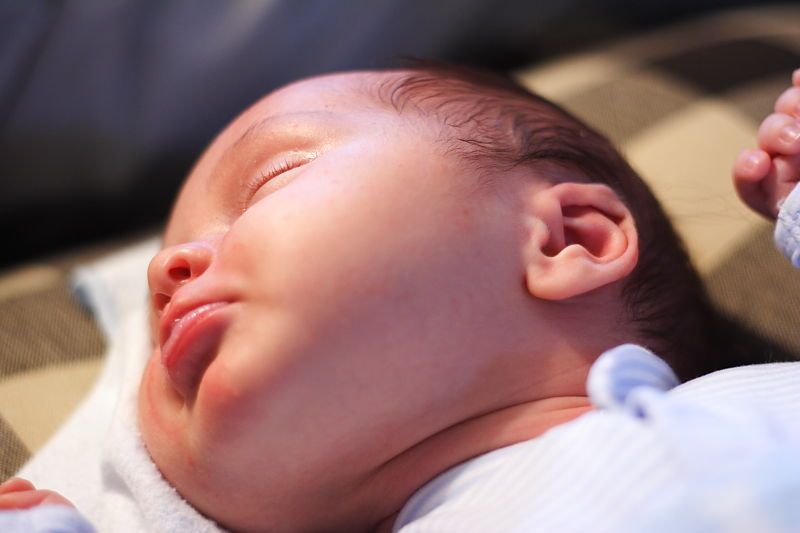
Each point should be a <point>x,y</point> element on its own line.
<point>281,164</point>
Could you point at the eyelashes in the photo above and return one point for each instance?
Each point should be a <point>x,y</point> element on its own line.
<point>284,165</point>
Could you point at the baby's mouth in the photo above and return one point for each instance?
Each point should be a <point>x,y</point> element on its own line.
<point>189,343</point>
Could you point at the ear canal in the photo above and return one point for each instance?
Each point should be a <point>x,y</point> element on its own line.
<point>592,229</point>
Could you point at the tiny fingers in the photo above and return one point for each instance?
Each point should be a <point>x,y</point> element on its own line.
<point>15,484</point>
<point>31,498</point>
<point>763,177</point>
<point>751,165</point>
<point>750,170</point>
<point>784,176</point>
<point>788,102</point>
<point>779,134</point>
<point>18,493</point>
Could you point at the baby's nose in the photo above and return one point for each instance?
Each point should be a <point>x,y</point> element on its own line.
<point>176,265</point>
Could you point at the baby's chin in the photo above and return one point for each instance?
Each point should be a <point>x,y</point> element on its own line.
<point>164,444</point>
<point>205,486</point>
<point>159,427</point>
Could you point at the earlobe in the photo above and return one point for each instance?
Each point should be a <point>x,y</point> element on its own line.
<point>583,237</point>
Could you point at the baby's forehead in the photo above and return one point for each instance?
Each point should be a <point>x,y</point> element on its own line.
<point>342,95</point>
<point>350,91</point>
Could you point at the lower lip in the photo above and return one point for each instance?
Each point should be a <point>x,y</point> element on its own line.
<point>192,346</point>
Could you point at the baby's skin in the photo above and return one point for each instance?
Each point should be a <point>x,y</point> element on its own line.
<point>18,493</point>
<point>340,313</point>
<point>368,317</point>
<point>766,175</point>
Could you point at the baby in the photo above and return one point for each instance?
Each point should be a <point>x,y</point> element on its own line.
<point>371,277</point>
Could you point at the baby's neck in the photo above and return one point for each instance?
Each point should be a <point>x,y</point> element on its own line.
<point>475,436</point>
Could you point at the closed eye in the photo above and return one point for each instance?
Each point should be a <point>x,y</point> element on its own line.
<point>283,165</point>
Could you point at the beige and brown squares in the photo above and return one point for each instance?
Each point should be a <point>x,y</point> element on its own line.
<point>680,102</point>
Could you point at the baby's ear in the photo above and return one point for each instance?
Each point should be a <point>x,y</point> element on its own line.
<point>581,237</point>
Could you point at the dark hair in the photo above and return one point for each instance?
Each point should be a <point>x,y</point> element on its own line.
<point>496,123</point>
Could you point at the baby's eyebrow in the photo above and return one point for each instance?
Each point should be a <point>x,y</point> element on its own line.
<point>261,124</point>
<point>275,122</point>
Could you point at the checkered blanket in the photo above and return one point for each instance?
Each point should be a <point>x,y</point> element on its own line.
<point>679,102</point>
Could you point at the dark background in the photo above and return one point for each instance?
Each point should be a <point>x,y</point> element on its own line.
<point>105,104</point>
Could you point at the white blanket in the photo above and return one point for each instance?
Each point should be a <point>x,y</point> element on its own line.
<point>97,459</point>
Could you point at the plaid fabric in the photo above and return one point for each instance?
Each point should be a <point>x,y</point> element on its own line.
<point>679,103</point>
<point>50,353</point>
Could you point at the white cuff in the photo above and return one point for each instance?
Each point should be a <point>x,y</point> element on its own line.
<point>787,228</point>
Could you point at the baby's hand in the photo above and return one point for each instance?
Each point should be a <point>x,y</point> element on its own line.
<point>18,493</point>
<point>765,176</point>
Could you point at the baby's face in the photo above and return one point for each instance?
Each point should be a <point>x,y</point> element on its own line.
<point>317,327</point>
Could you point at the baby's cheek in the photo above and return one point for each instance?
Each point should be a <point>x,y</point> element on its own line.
<point>221,404</point>
<point>220,388</point>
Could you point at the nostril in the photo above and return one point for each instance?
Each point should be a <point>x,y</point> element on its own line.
<point>179,273</point>
<point>160,301</point>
